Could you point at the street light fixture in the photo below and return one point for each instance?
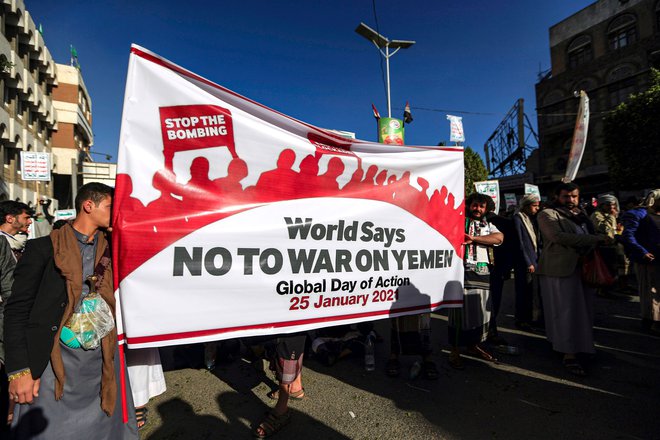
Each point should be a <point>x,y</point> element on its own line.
<point>382,42</point>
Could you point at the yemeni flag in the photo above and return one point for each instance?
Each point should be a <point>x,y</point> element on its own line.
<point>407,117</point>
<point>376,114</point>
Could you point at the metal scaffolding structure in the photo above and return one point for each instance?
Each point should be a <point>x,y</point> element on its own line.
<point>508,148</point>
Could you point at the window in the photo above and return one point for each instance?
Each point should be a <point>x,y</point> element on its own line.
<point>554,108</point>
<point>579,51</point>
<point>622,84</point>
<point>622,32</point>
<point>6,97</point>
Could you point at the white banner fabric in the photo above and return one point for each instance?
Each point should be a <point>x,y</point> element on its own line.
<point>231,219</point>
<point>579,139</point>
<point>456,133</point>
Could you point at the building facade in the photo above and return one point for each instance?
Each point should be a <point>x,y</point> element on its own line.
<point>45,108</point>
<point>73,139</point>
<point>607,49</point>
<point>27,114</point>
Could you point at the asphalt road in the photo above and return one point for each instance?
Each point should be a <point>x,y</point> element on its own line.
<point>529,396</point>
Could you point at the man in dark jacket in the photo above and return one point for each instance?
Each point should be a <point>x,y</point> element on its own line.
<point>526,261</point>
<point>641,239</point>
<point>504,256</point>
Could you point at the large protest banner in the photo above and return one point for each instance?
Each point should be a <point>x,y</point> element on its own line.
<point>232,219</point>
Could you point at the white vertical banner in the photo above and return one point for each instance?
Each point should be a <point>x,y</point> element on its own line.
<point>456,133</point>
<point>490,188</point>
<point>579,138</point>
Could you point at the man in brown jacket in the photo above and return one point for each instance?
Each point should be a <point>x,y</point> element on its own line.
<point>61,389</point>
<point>568,303</point>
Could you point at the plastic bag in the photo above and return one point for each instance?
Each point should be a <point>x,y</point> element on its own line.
<point>595,272</point>
<point>91,322</point>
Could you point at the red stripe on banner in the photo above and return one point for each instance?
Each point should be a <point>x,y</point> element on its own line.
<point>193,334</point>
<point>122,384</point>
<point>161,62</point>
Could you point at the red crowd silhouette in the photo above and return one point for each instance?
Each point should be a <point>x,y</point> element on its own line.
<point>184,208</point>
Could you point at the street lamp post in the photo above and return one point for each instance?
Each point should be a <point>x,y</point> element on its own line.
<point>382,42</point>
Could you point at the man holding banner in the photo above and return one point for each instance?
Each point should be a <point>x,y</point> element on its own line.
<point>468,326</point>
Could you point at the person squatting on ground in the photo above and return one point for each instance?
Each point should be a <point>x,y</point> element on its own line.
<point>411,335</point>
<point>641,238</point>
<point>65,392</point>
<point>568,303</point>
<point>528,304</point>
<point>468,326</point>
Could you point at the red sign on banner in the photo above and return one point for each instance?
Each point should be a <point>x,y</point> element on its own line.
<point>190,127</point>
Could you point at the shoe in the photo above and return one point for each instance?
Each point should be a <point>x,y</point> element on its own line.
<point>272,424</point>
<point>297,395</point>
<point>393,368</point>
<point>479,352</point>
<point>429,370</point>
<point>654,329</point>
<point>507,349</point>
<point>524,326</point>
<point>141,416</point>
<point>574,367</point>
<point>496,340</point>
<point>455,360</point>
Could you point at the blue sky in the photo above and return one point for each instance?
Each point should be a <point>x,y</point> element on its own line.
<point>303,58</point>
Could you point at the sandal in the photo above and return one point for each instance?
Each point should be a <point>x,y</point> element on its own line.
<point>574,367</point>
<point>141,416</point>
<point>456,361</point>
<point>482,354</point>
<point>297,395</point>
<point>393,368</point>
<point>429,370</point>
<point>272,424</point>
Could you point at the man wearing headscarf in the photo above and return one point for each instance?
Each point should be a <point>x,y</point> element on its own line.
<point>604,219</point>
<point>526,261</point>
<point>641,239</point>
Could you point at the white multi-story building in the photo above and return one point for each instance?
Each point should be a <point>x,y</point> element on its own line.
<point>45,108</point>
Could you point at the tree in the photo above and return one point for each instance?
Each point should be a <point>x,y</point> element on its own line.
<point>632,139</point>
<point>475,170</point>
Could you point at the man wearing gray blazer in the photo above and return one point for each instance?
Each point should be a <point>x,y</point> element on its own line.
<point>568,303</point>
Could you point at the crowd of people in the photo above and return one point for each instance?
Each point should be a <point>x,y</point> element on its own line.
<point>52,387</point>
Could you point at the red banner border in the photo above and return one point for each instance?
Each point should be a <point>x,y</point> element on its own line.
<point>202,333</point>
